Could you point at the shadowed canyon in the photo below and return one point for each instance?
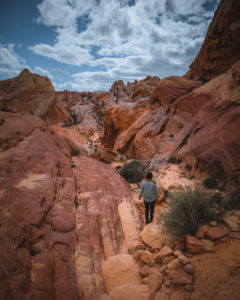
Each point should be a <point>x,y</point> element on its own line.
<point>73,228</point>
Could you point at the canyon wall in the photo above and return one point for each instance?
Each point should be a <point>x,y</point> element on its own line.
<point>220,49</point>
<point>64,213</point>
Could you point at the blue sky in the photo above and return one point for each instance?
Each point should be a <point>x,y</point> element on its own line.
<point>85,45</point>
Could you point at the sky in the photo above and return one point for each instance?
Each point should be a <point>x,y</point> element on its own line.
<point>86,45</point>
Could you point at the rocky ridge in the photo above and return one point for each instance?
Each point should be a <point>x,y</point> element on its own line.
<point>70,226</point>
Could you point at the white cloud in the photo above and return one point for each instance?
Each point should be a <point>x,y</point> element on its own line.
<point>10,62</point>
<point>42,72</point>
<point>154,37</point>
<point>64,53</point>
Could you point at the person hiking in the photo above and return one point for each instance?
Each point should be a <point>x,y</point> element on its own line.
<point>149,191</point>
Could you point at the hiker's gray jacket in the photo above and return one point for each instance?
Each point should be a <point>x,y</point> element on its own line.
<point>149,191</point>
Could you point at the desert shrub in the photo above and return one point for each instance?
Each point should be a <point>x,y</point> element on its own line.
<point>75,152</point>
<point>204,79</point>
<point>172,160</point>
<point>210,182</point>
<point>216,198</point>
<point>232,201</point>
<point>188,167</point>
<point>132,172</point>
<point>166,193</point>
<point>179,160</point>
<point>188,210</point>
<point>33,251</point>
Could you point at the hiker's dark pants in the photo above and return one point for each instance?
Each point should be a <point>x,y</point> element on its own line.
<point>147,206</point>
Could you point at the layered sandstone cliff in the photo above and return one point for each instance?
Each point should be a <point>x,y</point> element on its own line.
<point>220,49</point>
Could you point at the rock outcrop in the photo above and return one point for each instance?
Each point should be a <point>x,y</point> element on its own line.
<point>61,216</point>
<point>220,49</point>
<point>211,136</point>
<point>68,219</point>
<point>29,93</point>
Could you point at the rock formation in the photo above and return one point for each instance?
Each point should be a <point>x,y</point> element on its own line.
<point>61,216</point>
<point>67,218</point>
<point>220,49</point>
<point>29,93</point>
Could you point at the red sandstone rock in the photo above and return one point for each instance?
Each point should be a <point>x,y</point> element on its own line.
<point>216,232</point>
<point>171,88</point>
<point>220,49</point>
<point>165,251</point>
<point>29,93</point>
<point>147,257</point>
<point>214,129</point>
<point>117,119</point>
<point>179,245</point>
<point>57,222</point>
<point>194,245</point>
<point>233,234</point>
<point>189,269</point>
<point>175,264</point>
<point>155,279</point>
<point>182,278</point>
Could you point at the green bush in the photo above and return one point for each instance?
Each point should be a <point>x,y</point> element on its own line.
<point>210,182</point>
<point>188,210</point>
<point>172,160</point>
<point>132,172</point>
<point>75,152</point>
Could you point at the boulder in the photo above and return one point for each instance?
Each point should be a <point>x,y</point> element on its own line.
<point>167,260</point>
<point>216,232</point>
<point>209,245</point>
<point>155,279</point>
<point>165,251</point>
<point>135,245</point>
<point>152,236</point>
<point>147,257</point>
<point>189,269</point>
<point>183,259</point>
<point>178,253</point>
<point>179,245</point>
<point>194,245</point>
<point>232,222</point>
<point>120,270</point>
<point>175,264</point>
<point>182,278</point>
<point>130,291</point>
